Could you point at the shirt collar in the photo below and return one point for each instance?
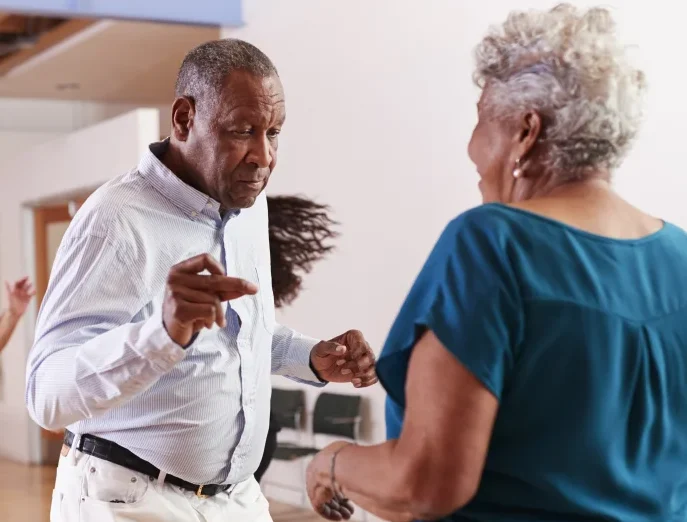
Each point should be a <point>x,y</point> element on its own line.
<point>191,201</point>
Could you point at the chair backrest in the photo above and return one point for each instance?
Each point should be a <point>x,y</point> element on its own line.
<point>337,415</point>
<point>287,407</point>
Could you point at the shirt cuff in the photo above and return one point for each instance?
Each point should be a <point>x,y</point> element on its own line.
<point>301,369</point>
<point>155,344</point>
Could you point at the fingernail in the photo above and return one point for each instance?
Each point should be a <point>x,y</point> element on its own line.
<point>356,381</point>
<point>346,371</point>
<point>341,349</point>
<point>340,362</point>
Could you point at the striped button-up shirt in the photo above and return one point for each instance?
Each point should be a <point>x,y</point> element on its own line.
<point>103,363</point>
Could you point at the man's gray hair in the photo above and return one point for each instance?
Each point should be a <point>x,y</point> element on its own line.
<point>205,69</point>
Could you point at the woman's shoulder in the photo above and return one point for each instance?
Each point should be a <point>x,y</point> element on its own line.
<point>490,214</point>
<point>491,224</point>
<point>479,239</point>
<point>498,235</point>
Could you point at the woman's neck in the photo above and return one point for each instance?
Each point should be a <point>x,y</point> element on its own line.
<point>575,188</point>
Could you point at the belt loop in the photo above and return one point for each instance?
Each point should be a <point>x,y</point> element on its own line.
<point>161,477</point>
<point>71,454</point>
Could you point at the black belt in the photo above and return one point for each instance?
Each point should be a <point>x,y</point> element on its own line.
<point>111,452</point>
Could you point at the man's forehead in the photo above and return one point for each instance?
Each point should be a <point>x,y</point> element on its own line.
<point>253,108</point>
<point>242,87</point>
<point>248,97</point>
<point>253,101</point>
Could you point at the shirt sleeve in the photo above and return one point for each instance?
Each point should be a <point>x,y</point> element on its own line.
<point>291,356</point>
<point>90,354</point>
<point>468,296</point>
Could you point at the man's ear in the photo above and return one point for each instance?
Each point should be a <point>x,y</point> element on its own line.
<point>183,113</point>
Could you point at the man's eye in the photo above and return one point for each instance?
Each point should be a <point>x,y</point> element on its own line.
<point>273,133</point>
<point>243,132</point>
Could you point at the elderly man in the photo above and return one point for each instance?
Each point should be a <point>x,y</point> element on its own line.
<point>157,336</point>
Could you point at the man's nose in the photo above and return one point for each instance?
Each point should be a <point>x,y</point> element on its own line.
<point>260,153</point>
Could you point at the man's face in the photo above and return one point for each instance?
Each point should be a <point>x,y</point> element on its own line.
<point>232,146</point>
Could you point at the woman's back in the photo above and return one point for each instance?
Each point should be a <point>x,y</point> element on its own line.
<point>592,422</point>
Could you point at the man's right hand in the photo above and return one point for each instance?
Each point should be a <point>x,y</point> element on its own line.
<point>194,301</point>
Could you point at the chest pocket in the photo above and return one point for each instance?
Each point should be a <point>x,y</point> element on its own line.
<point>265,297</point>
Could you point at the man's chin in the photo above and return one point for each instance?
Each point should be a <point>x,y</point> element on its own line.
<point>239,202</point>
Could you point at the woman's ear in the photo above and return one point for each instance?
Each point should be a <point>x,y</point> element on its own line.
<point>528,131</point>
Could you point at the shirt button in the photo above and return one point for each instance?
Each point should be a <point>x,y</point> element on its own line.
<point>194,213</point>
<point>209,204</point>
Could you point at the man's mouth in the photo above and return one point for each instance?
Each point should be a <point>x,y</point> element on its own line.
<point>254,185</point>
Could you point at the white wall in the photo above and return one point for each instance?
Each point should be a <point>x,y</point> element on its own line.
<point>82,159</point>
<point>380,108</point>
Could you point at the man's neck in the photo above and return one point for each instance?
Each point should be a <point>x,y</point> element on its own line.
<point>174,161</point>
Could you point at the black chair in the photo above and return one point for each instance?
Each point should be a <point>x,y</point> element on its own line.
<point>286,411</point>
<point>336,415</point>
<point>287,408</point>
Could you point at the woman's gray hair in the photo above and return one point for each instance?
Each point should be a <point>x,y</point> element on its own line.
<point>566,65</point>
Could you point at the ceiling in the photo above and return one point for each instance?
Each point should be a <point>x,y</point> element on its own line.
<point>106,61</point>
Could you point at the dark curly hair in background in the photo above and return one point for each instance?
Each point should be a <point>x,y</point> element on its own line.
<point>299,231</point>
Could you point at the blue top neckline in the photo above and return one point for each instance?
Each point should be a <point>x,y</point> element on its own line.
<point>667,226</point>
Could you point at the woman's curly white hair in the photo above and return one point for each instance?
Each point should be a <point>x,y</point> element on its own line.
<point>566,65</point>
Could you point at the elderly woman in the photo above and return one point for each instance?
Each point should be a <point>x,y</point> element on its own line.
<point>537,370</point>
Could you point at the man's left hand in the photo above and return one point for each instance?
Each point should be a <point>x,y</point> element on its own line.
<point>346,358</point>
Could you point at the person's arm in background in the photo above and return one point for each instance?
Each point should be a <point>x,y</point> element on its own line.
<point>19,295</point>
<point>89,355</point>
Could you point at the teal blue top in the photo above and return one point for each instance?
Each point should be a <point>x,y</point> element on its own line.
<point>583,340</point>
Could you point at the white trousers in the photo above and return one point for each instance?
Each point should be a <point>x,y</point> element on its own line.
<point>89,489</point>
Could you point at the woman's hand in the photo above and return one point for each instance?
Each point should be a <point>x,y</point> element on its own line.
<point>323,498</point>
<point>19,295</point>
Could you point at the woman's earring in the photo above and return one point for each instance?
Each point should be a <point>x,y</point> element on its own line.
<point>517,171</point>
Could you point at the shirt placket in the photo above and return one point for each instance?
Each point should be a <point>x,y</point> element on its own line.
<point>246,372</point>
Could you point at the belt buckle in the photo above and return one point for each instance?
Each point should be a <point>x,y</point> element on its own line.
<point>199,493</point>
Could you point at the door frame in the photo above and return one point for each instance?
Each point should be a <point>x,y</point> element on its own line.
<point>42,218</point>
